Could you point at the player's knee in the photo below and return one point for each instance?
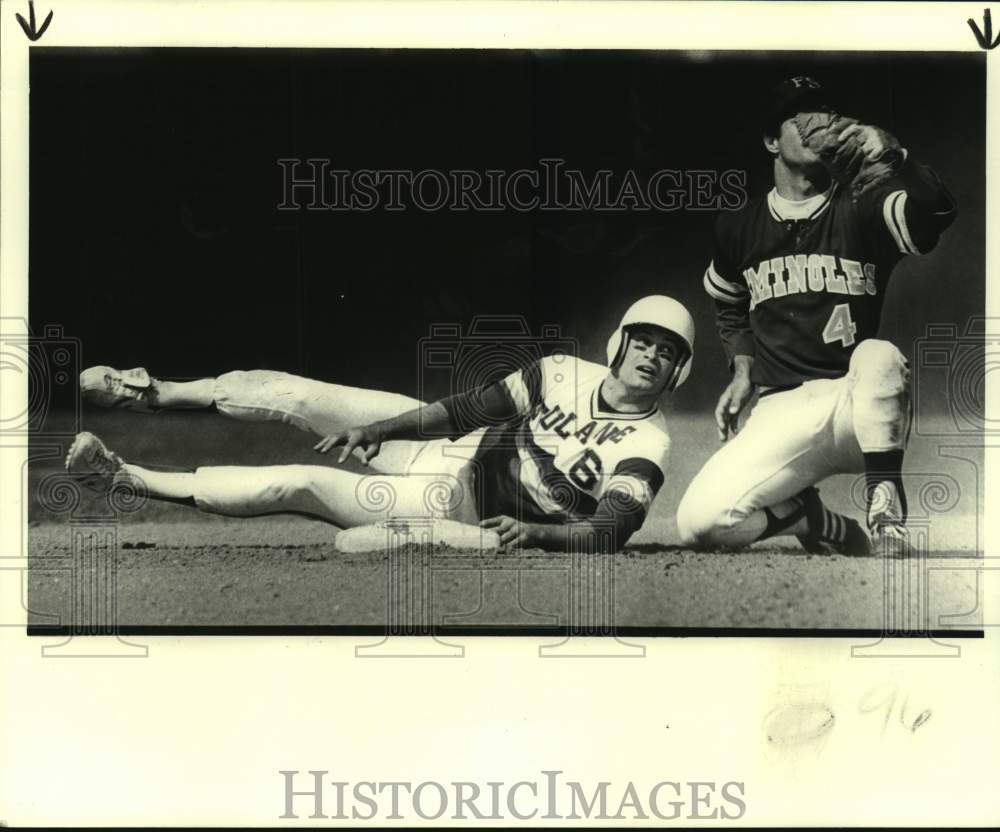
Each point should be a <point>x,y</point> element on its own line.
<point>879,366</point>
<point>290,485</point>
<point>236,385</point>
<point>236,391</point>
<point>703,521</point>
<point>880,396</point>
<point>263,395</point>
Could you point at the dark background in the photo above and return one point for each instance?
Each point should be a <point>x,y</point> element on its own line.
<point>156,239</point>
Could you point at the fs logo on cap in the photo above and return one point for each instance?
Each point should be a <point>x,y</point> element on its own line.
<point>800,81</point>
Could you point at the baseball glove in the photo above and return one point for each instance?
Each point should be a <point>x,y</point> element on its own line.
<point>845,159</point>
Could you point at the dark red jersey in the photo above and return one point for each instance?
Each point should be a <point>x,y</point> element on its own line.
<point>799,289</point>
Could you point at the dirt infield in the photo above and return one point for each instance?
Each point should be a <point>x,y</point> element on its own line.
<point>178,567</point>
<point>187,574</point>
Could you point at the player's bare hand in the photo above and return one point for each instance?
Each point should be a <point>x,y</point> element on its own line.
<point>731,403</point>
<point>513,533</point>
<point>368,438</point>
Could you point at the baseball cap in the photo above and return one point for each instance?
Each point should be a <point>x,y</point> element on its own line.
<point>794,95</point>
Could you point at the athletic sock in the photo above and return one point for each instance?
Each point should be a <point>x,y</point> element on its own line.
<point>784,524</point>
<point>175,486</point>
<point>181,501</point>
<point>830,526</point>
<point>187,395</point>
<point>885,466</point>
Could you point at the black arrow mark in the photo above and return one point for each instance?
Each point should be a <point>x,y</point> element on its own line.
<point>985,35</point>
<point>29,27</point>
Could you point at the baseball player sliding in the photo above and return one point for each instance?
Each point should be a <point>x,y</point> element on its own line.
<point>798,277</point>
<point>564,454</point>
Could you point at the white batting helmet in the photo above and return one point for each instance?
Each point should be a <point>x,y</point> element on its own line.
<point>666,313</point>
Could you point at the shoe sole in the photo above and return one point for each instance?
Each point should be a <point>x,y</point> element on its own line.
<point>891,546</point>
<point>93,388</point>
<point>78,453</point>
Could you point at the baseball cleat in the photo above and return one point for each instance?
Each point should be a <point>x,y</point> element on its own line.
<point>829,532</point>
<point>125,389</point>
<point>891,540</point>
<point>886,523</point>
<point>96,465</point>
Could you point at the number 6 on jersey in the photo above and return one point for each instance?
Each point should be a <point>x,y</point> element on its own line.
<point>840,327</point>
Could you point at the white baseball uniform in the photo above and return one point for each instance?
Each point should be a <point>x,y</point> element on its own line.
<point>553,452</point>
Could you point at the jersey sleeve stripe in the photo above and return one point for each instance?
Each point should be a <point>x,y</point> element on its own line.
<point>721,283</point>
<point>894,213</point>
<point>484,406</point>
<point>525,387</point>
<point>721,289</point>
<point>719,294</point>
<point>635,488</point>
<point>518,391</point>
<point>899,210</point>
<point>643,468</point>
<point>533,380</point>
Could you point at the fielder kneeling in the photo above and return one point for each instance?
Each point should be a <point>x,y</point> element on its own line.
<point>564,454</point>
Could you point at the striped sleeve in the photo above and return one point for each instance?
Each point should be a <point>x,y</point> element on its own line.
<point>525,387</point>
<point>485,406</point>
<point>636,479</point>
<point>627,497</point>
<point>914,208</point>
<point>894,214</point>
<point>495,404</point>
<point>722,290</point>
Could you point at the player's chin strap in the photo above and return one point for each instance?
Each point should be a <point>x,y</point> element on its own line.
<point>622,348</point>
<point>679,363</point>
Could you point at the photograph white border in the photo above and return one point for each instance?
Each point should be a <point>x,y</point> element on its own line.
<point>197,731</point>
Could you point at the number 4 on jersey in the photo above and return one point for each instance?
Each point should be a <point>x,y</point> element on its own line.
<point>840,327</point>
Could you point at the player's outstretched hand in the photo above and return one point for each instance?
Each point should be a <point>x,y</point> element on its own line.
<point>367,438</point>
<point>731,403</point>
<point>513,533</point>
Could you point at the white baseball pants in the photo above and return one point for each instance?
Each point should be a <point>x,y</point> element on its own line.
<point>411,478</point>
<point>794,439</point>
